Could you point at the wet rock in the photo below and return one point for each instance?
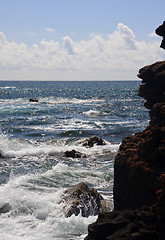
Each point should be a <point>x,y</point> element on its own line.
<point>93,140</point>
<point>33,100</point>
<point>74,154</point>
<point>4,207</point>
<point>81,199</point>
<point>1,156</point>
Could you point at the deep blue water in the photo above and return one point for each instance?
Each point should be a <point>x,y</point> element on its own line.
<point>34,137</point>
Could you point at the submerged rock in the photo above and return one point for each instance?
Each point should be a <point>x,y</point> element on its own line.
<point>33,100</point>
<point>4,207</point>
<point>81,199</point>
<point>93,140</point>
<point>1,156</point>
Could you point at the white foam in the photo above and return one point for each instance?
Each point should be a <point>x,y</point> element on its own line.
<point>38,214</point>
<point>18,148</point>
<point>92,113</point>
<point>7,87</point>
<point>60,100</point>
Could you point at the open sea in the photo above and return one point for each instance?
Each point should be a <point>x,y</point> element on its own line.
<point>34,136</point>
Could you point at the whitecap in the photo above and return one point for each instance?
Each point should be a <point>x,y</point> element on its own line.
<point>92,113</point>
<point>61,100</point>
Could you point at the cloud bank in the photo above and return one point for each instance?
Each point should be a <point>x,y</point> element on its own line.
<point>117,56</point>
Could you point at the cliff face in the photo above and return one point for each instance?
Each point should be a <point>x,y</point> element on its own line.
<point>139,172</point>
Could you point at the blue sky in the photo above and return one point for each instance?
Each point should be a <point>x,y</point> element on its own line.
<point>78,39</point>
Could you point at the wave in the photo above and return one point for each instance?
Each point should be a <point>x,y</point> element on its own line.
<point>92,113</point>
<point>37,214</point>
<point>7,87</point>
<point>19,148</point>
<point>60,100</point>
<point>49,100</point>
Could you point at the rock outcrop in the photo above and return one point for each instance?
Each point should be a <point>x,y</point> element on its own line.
<point>93,140</point>
<point>33,100</point>
<point>74,154</point>
<point>161,32</point>
<point>139,172</point>
<point>5,207</point>
<point>124,225</point>
<point>83,200</point>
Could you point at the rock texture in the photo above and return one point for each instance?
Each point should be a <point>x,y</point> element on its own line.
<point>153,85</point>
<point>93,140</point>
<point>82,199</point>
<point>4,207</point>
<point>74,154</point>
<point>139,172</point>
<point>124,225</point>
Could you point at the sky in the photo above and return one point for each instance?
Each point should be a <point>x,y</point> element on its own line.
<point>78,39</point>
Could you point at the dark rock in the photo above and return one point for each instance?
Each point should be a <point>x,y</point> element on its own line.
<point>1,155</point>
<point>153,87</point>
<point>161,32</point>
<point>140,164</point>
<point>74,154</point>
<point>82,199</point>
<point>5,207</point>
<point>124,225</point>
<point>33,100</point>
<point>93,140</point>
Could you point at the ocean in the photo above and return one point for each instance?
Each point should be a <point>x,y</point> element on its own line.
<point>34,136</point>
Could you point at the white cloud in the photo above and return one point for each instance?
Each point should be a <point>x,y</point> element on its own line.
<point>68,45</point>
<point>50,29</point>
<point>153,34</point>
<point>117,56</point>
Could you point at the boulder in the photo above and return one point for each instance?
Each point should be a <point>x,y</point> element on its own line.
<point>74,154</point>
<point>93,140</point>
<point>5,207</point>
<point>81,199</point>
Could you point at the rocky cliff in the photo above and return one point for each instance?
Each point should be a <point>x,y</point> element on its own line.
<point>139,172</point>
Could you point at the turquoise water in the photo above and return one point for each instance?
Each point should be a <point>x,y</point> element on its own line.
<point>34,136</point>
